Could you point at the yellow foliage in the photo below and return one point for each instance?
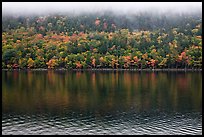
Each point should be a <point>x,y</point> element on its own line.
<point>30,63</point>
<point>145,56</point>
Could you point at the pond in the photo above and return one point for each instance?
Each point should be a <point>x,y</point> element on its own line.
<point>97,102</point>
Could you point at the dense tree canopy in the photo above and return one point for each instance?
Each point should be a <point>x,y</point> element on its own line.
<point>105,41</point>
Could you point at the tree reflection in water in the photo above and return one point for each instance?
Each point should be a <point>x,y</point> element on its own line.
<point>100,92</point>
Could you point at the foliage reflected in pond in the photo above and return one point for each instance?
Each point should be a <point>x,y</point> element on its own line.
<point>103,92</point>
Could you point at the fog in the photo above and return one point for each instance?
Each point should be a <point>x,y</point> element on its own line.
<point>44,8</point>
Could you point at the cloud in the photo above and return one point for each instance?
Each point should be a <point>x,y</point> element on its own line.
<point>26,8</point>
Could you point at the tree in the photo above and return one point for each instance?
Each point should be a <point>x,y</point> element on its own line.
<point>9,56</point>
<point>30,63</point>
<point>52,63</point>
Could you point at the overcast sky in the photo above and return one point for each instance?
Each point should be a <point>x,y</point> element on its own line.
<point>78,7</point>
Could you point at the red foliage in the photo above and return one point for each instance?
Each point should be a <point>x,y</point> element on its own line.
<point>15,66</point>
<point>183,54</point>
<point>153,62</point>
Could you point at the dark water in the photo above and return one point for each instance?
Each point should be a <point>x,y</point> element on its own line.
<point>60,102</point>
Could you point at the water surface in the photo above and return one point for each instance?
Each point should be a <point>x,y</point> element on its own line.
<point>63,102</point>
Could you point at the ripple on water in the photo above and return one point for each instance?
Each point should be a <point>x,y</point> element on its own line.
<point>125,123</point>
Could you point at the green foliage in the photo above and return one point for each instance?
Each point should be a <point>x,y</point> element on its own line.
<point>9,56</point>
<point>79,42</point>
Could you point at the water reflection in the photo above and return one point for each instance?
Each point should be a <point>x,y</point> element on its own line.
<point>62,102</point>
<point>103,92</point>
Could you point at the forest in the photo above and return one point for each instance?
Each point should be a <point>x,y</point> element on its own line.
<point>87,41</point>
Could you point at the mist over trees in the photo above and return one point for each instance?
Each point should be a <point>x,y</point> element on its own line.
<point>102,40</point>
<point>85,22</point>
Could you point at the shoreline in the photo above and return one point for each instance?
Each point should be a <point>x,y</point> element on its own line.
<point>108,69</point>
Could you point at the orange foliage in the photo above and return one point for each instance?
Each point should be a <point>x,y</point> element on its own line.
<point>114,63</point>
<point>18,41</point>
<point>93,62</point>
<point>73,38</point>
<point>78,65</point>
<point>56,37</point>
<point>39,36</point>
<point>182,56</point>
<point>199,37</point>
<point>51,63</point>
<point>152,62</point>
<point>127,58</point>
<point>145,56</point>
<point>66,39</point>
<point>101,59</point>
<point>136,59</point>
<point>95,50</point>
<point>110,36</point>
<point>179,58</point>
